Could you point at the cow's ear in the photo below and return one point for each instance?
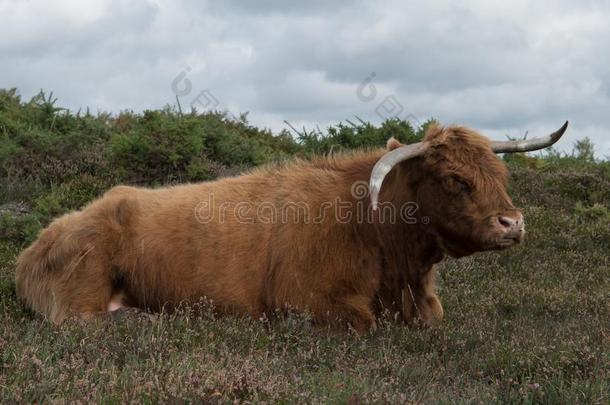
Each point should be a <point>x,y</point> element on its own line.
<point>393,144</point>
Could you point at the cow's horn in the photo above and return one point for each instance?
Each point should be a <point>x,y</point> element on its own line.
<point>387,162</point>
<point>528,145</point>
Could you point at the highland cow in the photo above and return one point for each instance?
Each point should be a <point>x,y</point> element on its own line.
<point>307,235</point>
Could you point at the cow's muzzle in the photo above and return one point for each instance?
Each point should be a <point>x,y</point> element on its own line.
<point>510,229</point>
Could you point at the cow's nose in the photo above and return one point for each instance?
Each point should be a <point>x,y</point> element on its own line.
<point>513,224</point>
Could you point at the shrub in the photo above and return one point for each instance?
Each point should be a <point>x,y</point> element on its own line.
<point>19,229</point>
<point>596,212</point>
<point>361,135</point>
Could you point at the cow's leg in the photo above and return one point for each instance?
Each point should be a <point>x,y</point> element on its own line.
<point>67,271</point>
<point>348,312</point>
<point>86,290</point>
<point>131,313</point>
<point>420,302</point>
<point>117,301</point>
<point>120,308</point>
<point>64,274</point>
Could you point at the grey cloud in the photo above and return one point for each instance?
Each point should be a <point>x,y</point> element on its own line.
<point>501,68</point>
<point>282,7</point>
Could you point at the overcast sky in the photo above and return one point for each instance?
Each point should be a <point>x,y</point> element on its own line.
<point>501,67</point>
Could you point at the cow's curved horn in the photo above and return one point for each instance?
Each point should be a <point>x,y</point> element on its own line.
<point>529,145</point>
<point>387,162</point>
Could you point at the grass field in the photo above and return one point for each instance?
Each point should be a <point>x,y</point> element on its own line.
<point>530,324</point>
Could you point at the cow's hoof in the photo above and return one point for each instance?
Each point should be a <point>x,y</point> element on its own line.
<point>130,313</point>
<point>431,312</point>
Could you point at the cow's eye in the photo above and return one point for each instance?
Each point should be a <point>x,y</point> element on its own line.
<point>463,184</point>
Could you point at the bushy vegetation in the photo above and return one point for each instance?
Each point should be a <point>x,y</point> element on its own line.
<point>531,324</point>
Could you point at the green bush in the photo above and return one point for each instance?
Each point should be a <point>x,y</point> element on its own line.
<point>360,135</point>
<point>596,212</point>
<point>20,230</point>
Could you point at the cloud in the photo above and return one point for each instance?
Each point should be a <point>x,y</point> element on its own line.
<point>502,67</point>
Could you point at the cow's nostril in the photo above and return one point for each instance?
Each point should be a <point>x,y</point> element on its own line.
<point>506,222</point>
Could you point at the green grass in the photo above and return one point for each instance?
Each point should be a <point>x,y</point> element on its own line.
<point>531,324</point>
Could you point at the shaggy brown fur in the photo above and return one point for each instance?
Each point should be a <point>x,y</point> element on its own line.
<point>160,248</point>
